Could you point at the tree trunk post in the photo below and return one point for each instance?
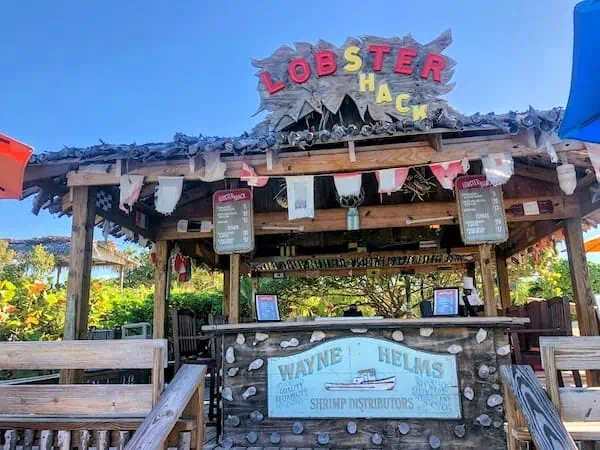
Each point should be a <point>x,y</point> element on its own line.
<point>161,289</point>
<point>234,288</point>
<point>487,277</point>
<point>80,270</point>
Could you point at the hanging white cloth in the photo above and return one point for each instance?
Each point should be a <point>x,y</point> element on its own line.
<point>130,188</point>
<point>301,197</point>
<point>249,176</point>
<point>348,184</point>
<point>391,180</point>
<point>594,153</point>
<point>498,167</point>
<point>167,194</point>
<point>214,168</point>
<point>446,172</point>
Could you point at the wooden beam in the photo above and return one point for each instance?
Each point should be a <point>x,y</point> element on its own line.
<point>537,173</point>
<point>503,281</point>
<point>535,232</point>
<point>373,217</point>
<point>161,288</point>
<point>487,277</point>
<point>580,278</point>
<point>255,284</point>
<point>355,272</point>
<point>226,288</point>
<point>372,157</point>
<point>80,269</point>
<point>234,288</point>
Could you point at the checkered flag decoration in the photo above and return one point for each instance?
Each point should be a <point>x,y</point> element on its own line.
<point>104,200</point>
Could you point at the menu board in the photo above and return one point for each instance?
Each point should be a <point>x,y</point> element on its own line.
<point>480,210</point>
<point>233,220</point>
<point>445,302</point>
<point>267,308</point>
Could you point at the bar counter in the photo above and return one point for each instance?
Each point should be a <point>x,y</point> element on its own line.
<point>365,384</point>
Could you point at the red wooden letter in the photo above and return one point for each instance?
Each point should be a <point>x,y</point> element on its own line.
<point>405,60</point>
<point>326,64</point>
<point>303,75</point>
<point>268,82</point>
<point>434,63</point>
<point>379,51</point>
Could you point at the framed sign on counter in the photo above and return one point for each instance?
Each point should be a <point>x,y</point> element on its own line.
<point>233,219</point>
<point>481,214</point>
<point>445,301</point>
<point>267,307</point>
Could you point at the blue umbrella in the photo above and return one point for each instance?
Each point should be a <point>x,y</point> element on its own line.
<point>582,117</point>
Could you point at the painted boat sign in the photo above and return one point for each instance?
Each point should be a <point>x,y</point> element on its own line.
<point>364,377</point>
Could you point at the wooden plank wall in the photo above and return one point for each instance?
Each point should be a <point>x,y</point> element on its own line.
<point>487,433</point>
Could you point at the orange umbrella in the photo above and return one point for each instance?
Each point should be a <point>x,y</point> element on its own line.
<point>14,156</point>
<point>593,245</point>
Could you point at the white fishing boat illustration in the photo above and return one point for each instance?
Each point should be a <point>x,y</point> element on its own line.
<point>365,381</point>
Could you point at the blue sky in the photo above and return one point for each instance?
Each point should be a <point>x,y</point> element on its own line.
<point>74,72</point>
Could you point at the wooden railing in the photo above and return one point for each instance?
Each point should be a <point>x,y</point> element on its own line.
<point>186,391</point>
<point>535,408</point>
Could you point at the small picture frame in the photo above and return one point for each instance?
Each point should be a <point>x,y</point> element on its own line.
<point>267,307</point>
<point>445,301</point>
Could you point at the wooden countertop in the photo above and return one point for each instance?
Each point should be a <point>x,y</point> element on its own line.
<point>430,322</point>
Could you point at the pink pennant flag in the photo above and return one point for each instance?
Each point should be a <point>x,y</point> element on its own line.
<point>249,175</point>
<point>348,184</point>
<point>391,180</point>
<point>448,171</point>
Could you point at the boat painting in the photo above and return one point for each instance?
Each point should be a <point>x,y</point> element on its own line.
<point>365,381</point>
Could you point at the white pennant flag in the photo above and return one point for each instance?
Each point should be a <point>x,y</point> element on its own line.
<point>391,180</point>
<point>167,194</point>
<point>498,167</point>
<point>129,191</point>
<point>301,197</point>
<point>594,153</point>
<point>348,184</point>
<point>446,172</point>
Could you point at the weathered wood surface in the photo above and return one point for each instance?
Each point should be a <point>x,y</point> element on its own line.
<point>80,399</point>
<point>469,360</point>
<point>161,289</point>
<point>503,281</point>
<point>120,354</point>
<point>234,288</point>
<point>371,217</point>
<point>436,322</point>
<point>155,429</point>
<point>544,423</point>
<point>487,278</point>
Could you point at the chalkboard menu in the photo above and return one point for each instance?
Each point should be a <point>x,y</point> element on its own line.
<point>233,220</point>
<point>480,210</point>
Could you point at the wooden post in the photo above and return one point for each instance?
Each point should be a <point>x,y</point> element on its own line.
<point>234,288</point>
<point>226,288</point>
<point>503,281</point>
<point>121,277</point>
<point>80,270</point>
<point>161,287</point>
<point>255,283</point>
<point>487,277</point>
<point>58,271</point>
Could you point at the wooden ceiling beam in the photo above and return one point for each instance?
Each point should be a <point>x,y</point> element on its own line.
<point>373,217</point>
<point>423,268</point>
<point>316,161</point>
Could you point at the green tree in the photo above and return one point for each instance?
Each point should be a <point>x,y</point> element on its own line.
<point>39,262</point>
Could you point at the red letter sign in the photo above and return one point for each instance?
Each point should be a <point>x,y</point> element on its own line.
<point>379,51</point>
<point>325,61</point>
<point>405,60</point>
<point>303,75</point>
<point>268,82</point>
<point>433,63</point>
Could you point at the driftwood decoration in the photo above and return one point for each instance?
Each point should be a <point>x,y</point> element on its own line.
<point>371,71</point>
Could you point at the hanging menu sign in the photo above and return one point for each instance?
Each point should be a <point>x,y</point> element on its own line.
<point>481,211</point>
<point>233,220</point>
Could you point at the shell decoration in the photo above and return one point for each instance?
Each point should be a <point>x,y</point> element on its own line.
<point>504,350</point>
<point>484,420</point>
<point>455,349</point>
<point>317,336</point>
<point>240,339</point>
<point>233,371</point>
<point>323,438</point>
<point>426,332</point>
<point>435,441</point>
<point>293,342</point>
<point>252,437</point>
<point>398,336</point>
<point>404,428</point>
<point>250,392</point>
<point>275,438</point>
<point>351,427</point>
<point>232,421</point>
<point>297,428</point>
<point>377,439</point>
<point>227,443</point>
<point>494,400</point>
<point>469,393</point>
<point>359,330</point>
<point>256,416</point>
<point>260,337</point>
<point>227,394</point>
<point>255,365</point>
<point>460,430</point>
<point>481,335</point>
<point>483,371</point>
<point>230,355</point>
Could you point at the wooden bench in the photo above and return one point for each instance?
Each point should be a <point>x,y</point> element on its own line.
<point>577,407</point>
<point>97,415</point>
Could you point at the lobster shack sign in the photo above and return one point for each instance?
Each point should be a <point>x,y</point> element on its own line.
<point>386,79</point>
